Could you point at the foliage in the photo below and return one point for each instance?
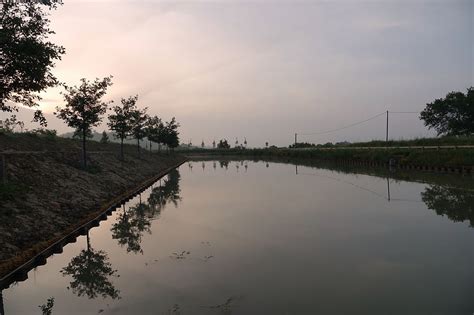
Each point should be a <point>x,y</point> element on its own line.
<point>440,141</point>
<point>120,120</point>
<point>47,309</point>
<point>171,134</point>
<point>48,133</point>
<point>452,115</point>
<point>299,145</point>
<point>84,107</point>
<point>26,55</point>
<point>105,138</point>
<point>223,144</point>
<point>10,124</point>
<point>138,121</point>
<point>429,157</point>
<point>154,129</point>
<point>78,134</point>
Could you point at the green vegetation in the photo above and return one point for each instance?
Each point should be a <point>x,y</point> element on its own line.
<point>428,157</point>
<point>223,144</point>
<point>441,141</point>
<point>105,138</point>
<point>26,55</point>
<point>84,108</point>
<point>452,115</point>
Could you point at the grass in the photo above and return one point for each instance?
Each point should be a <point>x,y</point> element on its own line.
<point>448,140</point>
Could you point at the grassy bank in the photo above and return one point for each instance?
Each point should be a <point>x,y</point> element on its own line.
<point>428,157</point>
<point>439,141</point>
<point>46,193</point>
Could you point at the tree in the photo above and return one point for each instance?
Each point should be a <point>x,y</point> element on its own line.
<point>105,138</point>
<point>84,107</point>
<point>452,115</point>
<point>26,55</point>
<point>138,121</point>
<point>154,128</point>
<point>171,134</point>
<point>10,124</point>
<point>120,120</point>
<point>202,144</point>
<point>223,144</point>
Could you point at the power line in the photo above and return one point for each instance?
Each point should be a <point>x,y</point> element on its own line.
<point>403,112</point>
<point>341,128</point>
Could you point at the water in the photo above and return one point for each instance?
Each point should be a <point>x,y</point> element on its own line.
<point>245,237</point>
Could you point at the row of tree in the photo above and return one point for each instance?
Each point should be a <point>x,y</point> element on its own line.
<point>27,59</point>
<point>84,109</point>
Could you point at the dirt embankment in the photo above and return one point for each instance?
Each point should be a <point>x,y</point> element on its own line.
<point>47,193</point>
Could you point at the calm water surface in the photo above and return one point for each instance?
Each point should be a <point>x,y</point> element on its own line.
<point>244,237</point>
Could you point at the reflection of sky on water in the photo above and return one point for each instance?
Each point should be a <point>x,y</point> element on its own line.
<point>249,237</point>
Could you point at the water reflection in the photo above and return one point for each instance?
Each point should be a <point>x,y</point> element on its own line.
<point>133,222</point>
<point>2,309</point>
<point>363,244</point>
<point>47,308</point>
<point>90,271</point>
<point>455,203</point>
<point>169,192</point>
<point>130,226</point>
<point>224,163</point>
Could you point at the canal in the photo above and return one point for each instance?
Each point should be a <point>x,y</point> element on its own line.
<point>255,237</point>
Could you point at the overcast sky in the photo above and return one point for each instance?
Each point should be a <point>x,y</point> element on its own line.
<point>267,69</point>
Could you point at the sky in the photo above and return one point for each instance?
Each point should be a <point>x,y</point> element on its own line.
<point>265,70</point>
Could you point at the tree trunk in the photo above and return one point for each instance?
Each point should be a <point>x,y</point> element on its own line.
<point>84,157</point>
<point>88,241</point>
<point>121,148</point>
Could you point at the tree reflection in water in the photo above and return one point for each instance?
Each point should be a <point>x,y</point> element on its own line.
<point>456,203</point>
<point>130,226</point>
<point>90,271</point>
<point>134,222</point>
<point>2,310</point>
<point>224,163</point>
<point>166,193</point>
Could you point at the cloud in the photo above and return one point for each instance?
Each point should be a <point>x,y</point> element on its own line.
<point>264,69</point>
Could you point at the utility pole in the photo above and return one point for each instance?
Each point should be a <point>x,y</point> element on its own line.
<point>386,132</point>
